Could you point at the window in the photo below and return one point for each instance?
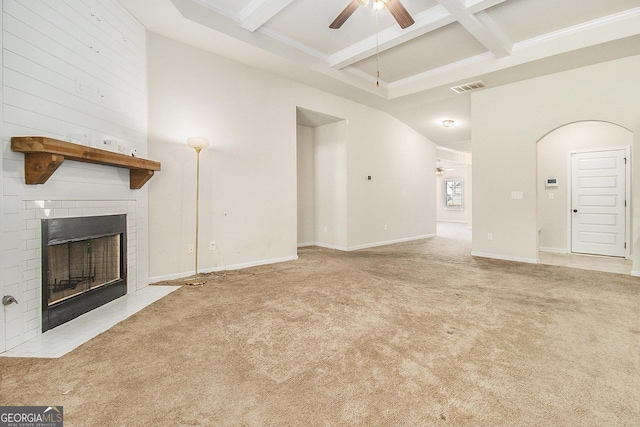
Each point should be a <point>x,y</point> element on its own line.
<point>453,194</point>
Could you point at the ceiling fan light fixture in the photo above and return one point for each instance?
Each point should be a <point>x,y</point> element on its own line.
<point>395,7</point>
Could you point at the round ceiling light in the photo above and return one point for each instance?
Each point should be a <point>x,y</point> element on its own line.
<point>447,123</point>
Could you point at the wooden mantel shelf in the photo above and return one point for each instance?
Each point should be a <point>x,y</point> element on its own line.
<point>42,156</point>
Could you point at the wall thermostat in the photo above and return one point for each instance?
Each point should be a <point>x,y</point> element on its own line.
<point>551,182</point>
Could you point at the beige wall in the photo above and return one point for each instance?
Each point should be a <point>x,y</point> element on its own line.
<point>507,123</point>
<point>554,152</point>
<point>306,194</point>
<point>330,185</point>
<point>401,192</point>
<point>635,200</point>
<point>249,179</point>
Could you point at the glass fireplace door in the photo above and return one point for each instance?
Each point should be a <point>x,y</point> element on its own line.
<point>76,267</point>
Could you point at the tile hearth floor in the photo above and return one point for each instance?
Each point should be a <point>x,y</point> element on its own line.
<point>59,341</point>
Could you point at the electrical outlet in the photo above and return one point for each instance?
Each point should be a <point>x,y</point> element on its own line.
<point>212,246</point>
<point>489,236</point>
<point>385,227</point>
<point>326,228</point>
<point>190,249</point>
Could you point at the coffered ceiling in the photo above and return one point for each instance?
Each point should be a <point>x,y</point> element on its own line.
<point>451,42</point>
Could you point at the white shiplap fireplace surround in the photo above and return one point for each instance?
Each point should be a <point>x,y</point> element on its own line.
<point>74,71</point>
<point>23,279</point>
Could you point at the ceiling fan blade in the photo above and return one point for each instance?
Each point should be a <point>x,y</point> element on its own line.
<point>345,14</point>
<point>400,14</point>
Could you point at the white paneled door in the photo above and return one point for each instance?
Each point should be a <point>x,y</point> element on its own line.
<point>598,217</point>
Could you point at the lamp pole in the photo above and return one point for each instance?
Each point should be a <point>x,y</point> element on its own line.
<point>197,144</point>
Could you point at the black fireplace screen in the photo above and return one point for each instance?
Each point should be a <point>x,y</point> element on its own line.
<point>84,265</point>
<point>76,267</point>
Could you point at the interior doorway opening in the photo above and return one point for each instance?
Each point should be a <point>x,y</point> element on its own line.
<point>322,179</point>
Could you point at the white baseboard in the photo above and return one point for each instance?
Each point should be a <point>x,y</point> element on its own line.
<point>505,257</point>
<point>156,279</point>
<point>328,246</point>
<point>323,245</point>
<point>389,242</point>
<point>366,245</point>
<point>553,250</point>
<point>635,273</point>
<point>240,266</point>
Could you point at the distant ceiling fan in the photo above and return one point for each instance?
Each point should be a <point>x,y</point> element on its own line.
<point>396,8</point>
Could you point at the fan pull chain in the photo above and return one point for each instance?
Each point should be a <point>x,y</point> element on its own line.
<point>377,51</point>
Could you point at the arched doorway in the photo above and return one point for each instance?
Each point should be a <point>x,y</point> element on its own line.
<point>556,186</point>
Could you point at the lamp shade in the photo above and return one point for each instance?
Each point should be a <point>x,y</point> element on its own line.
<point>198,143</point>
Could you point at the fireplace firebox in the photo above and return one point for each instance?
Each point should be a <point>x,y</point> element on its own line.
<point>84,265</point>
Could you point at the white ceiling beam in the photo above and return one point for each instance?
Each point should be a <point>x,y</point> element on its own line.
<point>487,32</point>
<point>481,27</point>
<point>475,6</point>
<point>259,12</point>
<point>619,26</point>
<point>426,21</point>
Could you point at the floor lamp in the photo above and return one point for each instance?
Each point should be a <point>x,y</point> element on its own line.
<point>197,144</point>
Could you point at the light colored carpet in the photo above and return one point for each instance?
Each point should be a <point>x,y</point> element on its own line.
<point>414,334</point>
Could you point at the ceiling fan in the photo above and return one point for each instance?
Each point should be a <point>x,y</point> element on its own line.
<point>396,8</point>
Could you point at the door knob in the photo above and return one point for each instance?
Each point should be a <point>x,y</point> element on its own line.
<point>575,210</point>
<point>8,299</point>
